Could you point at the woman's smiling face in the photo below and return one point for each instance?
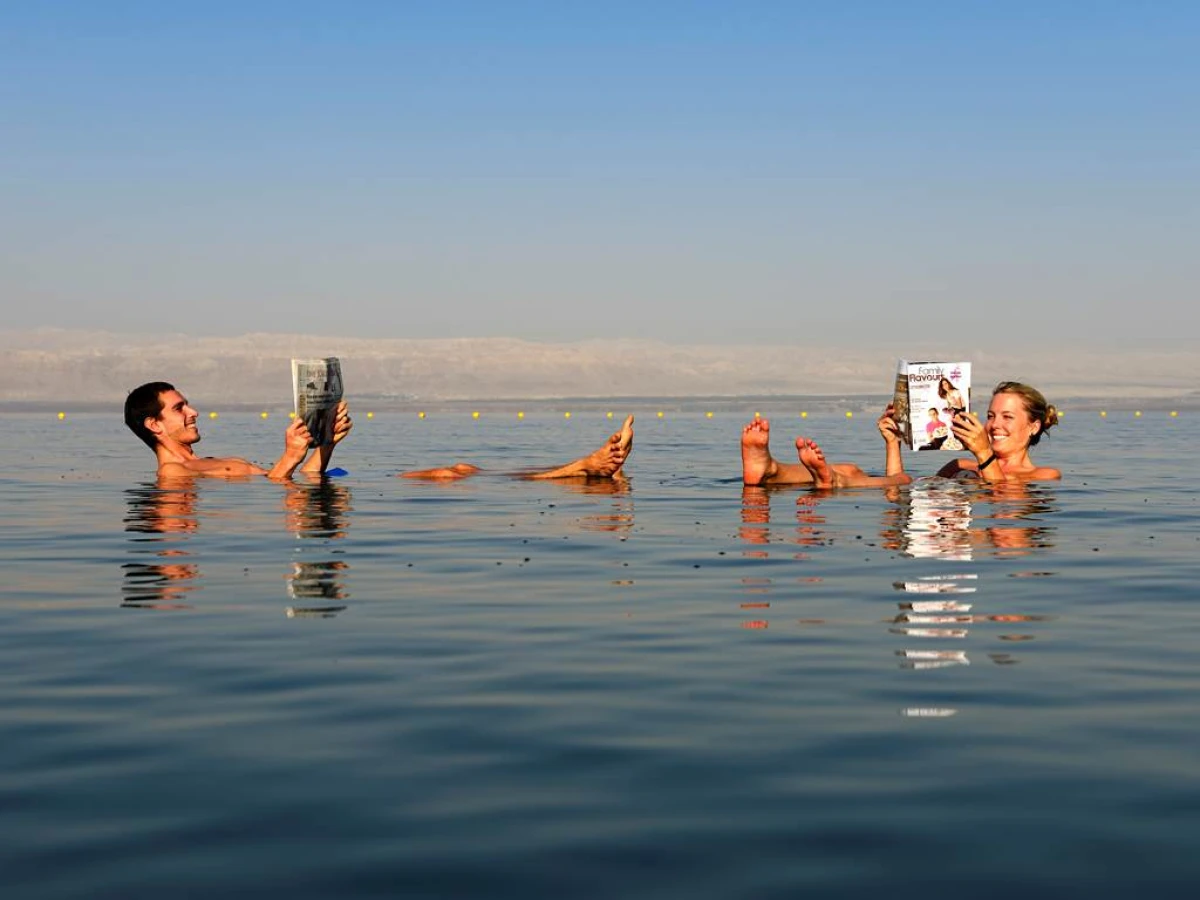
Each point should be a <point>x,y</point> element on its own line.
<point>1009,424</point>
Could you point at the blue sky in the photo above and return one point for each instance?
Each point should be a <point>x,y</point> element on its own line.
<point>788,173</point>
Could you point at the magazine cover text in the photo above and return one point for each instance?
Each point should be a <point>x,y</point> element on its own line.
<point>926,396</point>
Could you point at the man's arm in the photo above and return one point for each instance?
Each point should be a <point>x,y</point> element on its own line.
<point>319,461</point>
<point>295,447</point>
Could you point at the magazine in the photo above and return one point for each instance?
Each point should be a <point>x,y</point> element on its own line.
<point>927,396</point>
<point>317,390</point>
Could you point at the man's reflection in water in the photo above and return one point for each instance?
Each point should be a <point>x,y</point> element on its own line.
<point>619,516</point>
<point>161,515</point>
<point>317,512</point>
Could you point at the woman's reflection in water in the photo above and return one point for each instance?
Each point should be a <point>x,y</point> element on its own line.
<point>951,520</point>
<point>756,520</point>
<point>756,530</point>
<point>933,519</point>
<point>161,515</point>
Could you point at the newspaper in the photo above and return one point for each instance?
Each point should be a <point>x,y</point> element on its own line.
<point>317,390</point>
<point>926,397</point>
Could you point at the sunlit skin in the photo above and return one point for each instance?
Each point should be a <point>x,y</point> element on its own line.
<point>1006,433</point>
<point>606,462</point>
<point>760,468</point>
<point>177,432</point>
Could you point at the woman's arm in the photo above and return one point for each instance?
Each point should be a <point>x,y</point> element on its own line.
<point>893,460</point>
<point>970,431</point>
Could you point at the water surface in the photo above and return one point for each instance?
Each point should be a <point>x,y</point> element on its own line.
<point>372,687</point>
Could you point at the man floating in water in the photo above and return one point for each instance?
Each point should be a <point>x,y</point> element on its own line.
<point>605,462</point>
<point>162,418</point>
<point>760,468</point>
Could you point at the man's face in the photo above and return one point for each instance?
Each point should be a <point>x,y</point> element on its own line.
<point>177,421</point>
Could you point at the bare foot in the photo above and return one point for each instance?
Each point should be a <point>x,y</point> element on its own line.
<point>757,464</point>
<point>813,459</point>
<point>603,463</point>
<point>446,473</point>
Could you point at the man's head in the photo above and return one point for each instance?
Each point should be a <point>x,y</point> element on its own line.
<point>156,411</point>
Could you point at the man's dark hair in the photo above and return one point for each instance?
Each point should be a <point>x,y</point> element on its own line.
<point>145,403</point>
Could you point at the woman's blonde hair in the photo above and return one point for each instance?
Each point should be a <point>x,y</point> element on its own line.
<point>1035,406</point>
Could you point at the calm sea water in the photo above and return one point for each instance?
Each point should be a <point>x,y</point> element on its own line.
<point>679,688</point>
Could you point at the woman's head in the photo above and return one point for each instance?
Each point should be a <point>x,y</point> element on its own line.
<point>945,386</point>
<point>1042,415</point>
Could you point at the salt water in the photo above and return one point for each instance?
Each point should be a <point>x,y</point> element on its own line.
<point>674,687</point>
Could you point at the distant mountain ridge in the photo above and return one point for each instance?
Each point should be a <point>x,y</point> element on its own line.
<point>101,367</point>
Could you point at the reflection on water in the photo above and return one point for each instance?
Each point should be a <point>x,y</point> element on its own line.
<point>317,512</point>
<point>1017,525</point>
<point>933,520</point>
<point>619,518</point>
<point>756,520</point>
<point>162,517</point>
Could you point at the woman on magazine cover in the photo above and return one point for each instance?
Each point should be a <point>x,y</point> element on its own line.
<point>951,395</point>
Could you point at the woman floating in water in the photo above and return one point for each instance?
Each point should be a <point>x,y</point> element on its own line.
<point>1017,418</point>
<point>759,467</point>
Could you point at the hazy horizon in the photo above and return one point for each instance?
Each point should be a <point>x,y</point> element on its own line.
<point>89,367</point>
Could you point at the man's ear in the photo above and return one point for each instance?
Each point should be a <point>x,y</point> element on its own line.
<point>153,425</point>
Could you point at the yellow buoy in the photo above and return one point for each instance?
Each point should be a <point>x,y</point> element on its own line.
<point>566,415</point>
<point>212,415</point>
<point>1103,413</point>
<point>520,415</point>
<point>849,415</point>
<point>263,414</point>
<point>757,414</point>
<point>1174,414</point>
<point>421,414</point>
<point>370,415</point>
<point>475,415</point>
<point>804,415</point>
<point>660,413</point>
<point>292,414</point>
<point>708,415</point>
<point>1138,414</point>
<point>609,415</point>
<point>62,415</point>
